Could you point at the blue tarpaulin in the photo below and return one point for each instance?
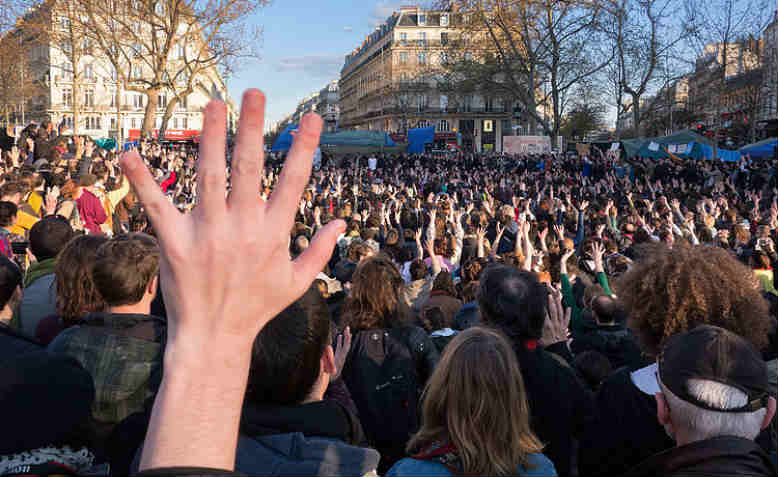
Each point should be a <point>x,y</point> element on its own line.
<point>108,143</point>
<point>375,139</point>
<point>765,148</point>
<point>418,137</point>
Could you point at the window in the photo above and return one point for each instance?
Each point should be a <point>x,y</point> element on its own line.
<point>422,19</point>
<point>443,36</point>
<point>137,100</point>
<point>423,101</point>
<point>184,123</point>
<point>444,20</point>
<point>137,72</point>
<point>85,45</point>
<point>403,57</point>
<point>89,72</point>
<point>67,97</point>
<point>136,49</point>
<point>443,102</point>
<point>64,22</point>
<point>423,38</point>
<point>175,123</point>
<point>161,101</point>
<point>468,103</point>
<point>422,58</point>
<point>159,8</point>
<point>443,58</point>
<point>132,122</point>
<point>403,37</point>
<point>114,97</point>
<point>89,98</point>
<point>180,51</point>
<point>443,125</point>
<point>488,125</point>
<point>66,47</point>
<point>488,105</point>
<point>92,122</point>
<point>113,122</point>
<point>66,71</point>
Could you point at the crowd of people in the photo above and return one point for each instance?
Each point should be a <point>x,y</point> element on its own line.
<point>172,311</point>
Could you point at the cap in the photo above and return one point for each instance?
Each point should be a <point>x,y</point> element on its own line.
<point>714,354</point>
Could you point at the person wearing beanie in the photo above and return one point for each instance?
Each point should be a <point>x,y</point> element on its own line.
<point>90,209</point>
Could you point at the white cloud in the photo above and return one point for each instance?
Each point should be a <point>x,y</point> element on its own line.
<point>382,11</point>
<point>348,28</point>
<point>322,65</point>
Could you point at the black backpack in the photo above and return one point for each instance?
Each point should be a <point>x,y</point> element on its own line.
<point>382,376</point>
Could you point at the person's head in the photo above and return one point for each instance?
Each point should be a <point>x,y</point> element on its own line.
<point>77,294</point>
<point>125,270</point>
<point>10,283</point>
<point>593,367</point>
<point>418,270</point>
<point>87,180</point>
<point>444,282</point>
<point>375,299</point>
<point>299,245</point>
<point>760,260</point>
<point>358,251</point>
<point>12,192</point>
<point>49,236</point>
<point>292,358</point>
<point>513,301</point>
<point>8,213</point>
<point>713,383</point>
<point>476,400</point>
<point>671,291</point>
<point>607,310</point>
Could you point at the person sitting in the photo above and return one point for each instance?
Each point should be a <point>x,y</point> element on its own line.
<point>121,347</point>
<point>713,402</point>
<point>475,416</point>
<point>12,342</point>
<point>47,238</point>
<point>515,302</point>
<point>77,294</point>
<point>609,334</point>
<point>288,426</point>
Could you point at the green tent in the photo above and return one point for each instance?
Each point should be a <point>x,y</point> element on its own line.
<point>685,144</point>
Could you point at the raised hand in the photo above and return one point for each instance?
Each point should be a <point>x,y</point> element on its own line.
<point>225,271</point>
<point>556,326</point>
<point>343,345</point>
<point>598,251</point>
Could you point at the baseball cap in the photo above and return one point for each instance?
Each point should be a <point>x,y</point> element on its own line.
<point>714,354</point>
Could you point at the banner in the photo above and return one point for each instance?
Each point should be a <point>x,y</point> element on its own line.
<point>526,144</point>
<point>652,146</point>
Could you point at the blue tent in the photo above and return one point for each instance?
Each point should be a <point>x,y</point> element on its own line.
<point>764,148</point>
<point>284,140</point>
<point>686,145</point>
<point>418,137</point>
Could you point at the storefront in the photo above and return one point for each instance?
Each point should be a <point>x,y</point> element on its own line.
<point>445,141</point>
<point>171,135</point>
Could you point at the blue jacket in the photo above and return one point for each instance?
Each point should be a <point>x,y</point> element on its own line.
<point>542,467</point>
<point>295,454</point>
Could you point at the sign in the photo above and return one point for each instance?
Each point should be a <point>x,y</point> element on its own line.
<point>526,144</point>
<point>488,126</point>
<point>446,135</point>
<point>170,134</point>
<point>652,146</point>
<point>615,146</point>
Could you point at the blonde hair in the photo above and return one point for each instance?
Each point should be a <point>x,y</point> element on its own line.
<point>476,401</point>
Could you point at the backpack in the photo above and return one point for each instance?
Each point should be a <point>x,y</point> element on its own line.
<point>382,376</point>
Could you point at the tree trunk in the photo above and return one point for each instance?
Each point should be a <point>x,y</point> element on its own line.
<point>636,113</point>
<point>151,112</point>
<point>167,115</point>
<point>76,104</point>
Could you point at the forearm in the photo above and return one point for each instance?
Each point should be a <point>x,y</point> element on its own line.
<point>602,279</point>
<point>193,388</point>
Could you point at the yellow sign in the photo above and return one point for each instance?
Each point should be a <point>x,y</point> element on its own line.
<point>488,126</point>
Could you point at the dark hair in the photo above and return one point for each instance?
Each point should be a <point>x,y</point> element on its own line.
<point>11,188</point>
<point>593,367</point>
<point>375,299</point>
<point>513,301</point>
<point>608,310</point>
<point>10,279</point>
<point>124,267</point>
<point>49,236</point>
<point>418,269</point>
<point>77,294</point>
<point>7,212</point>
<point>445,282</point>
<point>433,319</point>
<point>285,360</point>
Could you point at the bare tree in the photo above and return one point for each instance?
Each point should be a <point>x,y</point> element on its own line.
<point>58,25</point>
<point>171,46</point>
<point>17,82</point>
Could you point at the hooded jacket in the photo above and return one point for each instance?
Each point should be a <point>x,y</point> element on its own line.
<point>319,438</point>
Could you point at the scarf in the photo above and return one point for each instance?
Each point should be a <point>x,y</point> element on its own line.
<point>445,454</point>
<point>38,270</point>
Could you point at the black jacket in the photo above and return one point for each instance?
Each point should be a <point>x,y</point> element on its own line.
<point>561,407</point>
<point>14,344</point>
<point>717,457</point>
<point>615,342</point>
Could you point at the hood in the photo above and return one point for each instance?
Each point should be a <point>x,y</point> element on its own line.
<point>39,269</point>
<point>307,439</point>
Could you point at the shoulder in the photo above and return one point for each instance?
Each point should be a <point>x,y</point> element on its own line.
<point>539,466</point>
<point>413,467</point>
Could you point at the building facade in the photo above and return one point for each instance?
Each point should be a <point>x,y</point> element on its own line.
<point>388,83</point>
<point>106,109</point>
<point>768,111</point>
<point>328,106</point>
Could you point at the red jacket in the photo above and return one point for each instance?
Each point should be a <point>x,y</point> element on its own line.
<point>91,211</point>
<point>168,182</point>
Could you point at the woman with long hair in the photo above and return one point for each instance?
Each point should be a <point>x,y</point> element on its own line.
<point>77,294</point>
<point>475,416</point>
<point>389,361</point>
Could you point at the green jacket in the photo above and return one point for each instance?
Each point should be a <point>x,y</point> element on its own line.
<point>39,269</point>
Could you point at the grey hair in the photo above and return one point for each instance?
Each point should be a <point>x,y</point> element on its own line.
<point>702,424</point>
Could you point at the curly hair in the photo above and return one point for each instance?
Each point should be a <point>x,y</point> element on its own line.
<point>375,300</point>
<point>77,293</point>
<point>671,291</point>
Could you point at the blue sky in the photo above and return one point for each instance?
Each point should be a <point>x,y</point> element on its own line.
<point>304,45</point>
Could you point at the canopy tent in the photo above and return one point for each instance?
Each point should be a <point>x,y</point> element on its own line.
<point>418,137</point>
<point>108,143</point>
<point>764,148</point>
<point>631,147</point>
<point>686,145</point>
<point>354,140</point>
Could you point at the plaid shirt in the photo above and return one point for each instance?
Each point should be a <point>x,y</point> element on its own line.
<point>123,353</point>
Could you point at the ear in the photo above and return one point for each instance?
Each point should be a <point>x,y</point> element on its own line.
<point>770,412</point>
<point>327,362</point>
<point>153,283</point>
